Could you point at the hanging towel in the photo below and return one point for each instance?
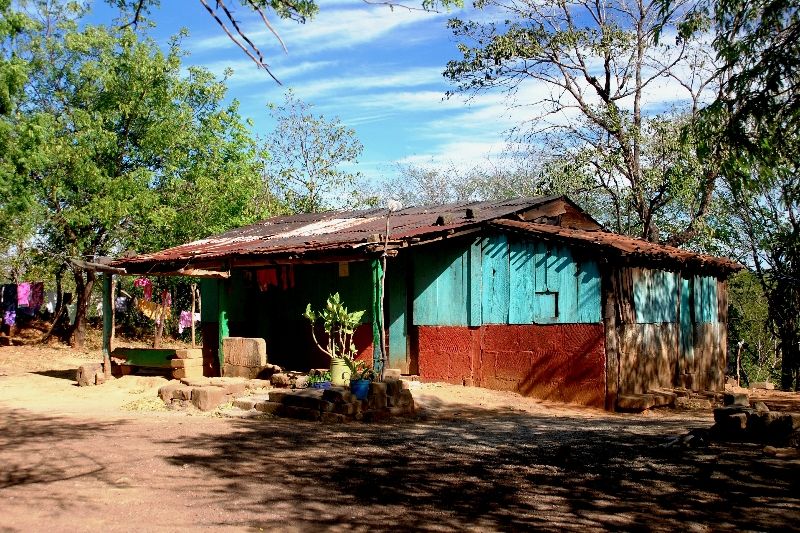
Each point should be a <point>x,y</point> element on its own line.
<point>267,277</point>
<point>37,295</point>
<point>23,294</point>
<point>52,299</point>
<point>185,320</point>
<point>121,304</point>
<point>287,276</point>
<point>72,312</point>
<point>151,310</point>
<point>9,297</point>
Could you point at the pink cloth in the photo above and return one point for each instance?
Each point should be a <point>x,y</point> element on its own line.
<point>185,320</point>
<point>23,294</point>
<point>147,285</point>
<point>37,294</point>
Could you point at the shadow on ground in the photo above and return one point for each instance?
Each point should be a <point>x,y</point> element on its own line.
<point>68,374</point>
<point>491,471</point>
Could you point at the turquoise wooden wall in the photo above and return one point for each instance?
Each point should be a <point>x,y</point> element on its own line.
<point>502,280</point>
<point>656,298</point>
<point>706,304</point>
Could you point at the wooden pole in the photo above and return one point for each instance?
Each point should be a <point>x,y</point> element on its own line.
<point>113,313</point>
<point>193,304</point>
<point>739,364</point>
<point>107,324</point>
<point>224,331</point>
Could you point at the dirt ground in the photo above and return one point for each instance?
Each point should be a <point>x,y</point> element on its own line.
<point>73,459</point>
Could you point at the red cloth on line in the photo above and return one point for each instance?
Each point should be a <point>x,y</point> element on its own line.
<point>267,277</point>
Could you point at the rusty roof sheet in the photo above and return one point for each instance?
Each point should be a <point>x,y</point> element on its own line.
<point>629,247</point>
<point>335,230</point>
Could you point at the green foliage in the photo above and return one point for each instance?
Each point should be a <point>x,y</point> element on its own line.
<point>305,151</point>
<point>340,326</point>
<point>748,322</point>
<point>319,378</point>
<point>360,370</point>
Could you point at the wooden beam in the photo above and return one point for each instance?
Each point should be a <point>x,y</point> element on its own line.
<point>97,267</point>
<point>107,323</point>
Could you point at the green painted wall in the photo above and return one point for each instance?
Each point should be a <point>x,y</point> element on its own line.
<point>655,296</point>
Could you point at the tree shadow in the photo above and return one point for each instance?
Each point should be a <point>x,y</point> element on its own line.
<point>68,374</point>
<point>492,470</point>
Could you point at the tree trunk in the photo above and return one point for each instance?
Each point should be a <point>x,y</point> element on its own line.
<point>83,290</point>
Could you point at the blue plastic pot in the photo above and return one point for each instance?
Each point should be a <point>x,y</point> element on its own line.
<point>360,387</point>
<point>321,385</point>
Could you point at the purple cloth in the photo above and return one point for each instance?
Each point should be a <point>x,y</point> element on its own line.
<point>10,318</point>
<point>185,320</point>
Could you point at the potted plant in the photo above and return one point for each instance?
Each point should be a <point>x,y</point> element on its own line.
<point>320,381</point>
<point>360,377</point>
<point>340,326</point>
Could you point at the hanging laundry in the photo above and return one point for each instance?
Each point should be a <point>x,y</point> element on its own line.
<point>151,310</point>
<point>287,276</point>
<point>185,320</point>
<point>52,300</point>
<point>99,308</point>
<point>72,312</point>
<point>30,311</point>
<point>23,294</point>
<point>10,318</point>
<point>36,299</point>
<point>147,285</point>
<point>165,295</point>
<point>10,297</point>
<point>121,304</point>
<point>267,277</point>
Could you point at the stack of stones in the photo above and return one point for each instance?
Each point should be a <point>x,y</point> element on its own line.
<point>206,394</point>
<point>245,357</point>
<point>738,420</point>
<point>190,363</point>
<point>337,404</point>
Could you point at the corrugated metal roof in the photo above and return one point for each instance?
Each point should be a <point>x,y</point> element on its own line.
<point>628,247</point>
<point>345,230</point>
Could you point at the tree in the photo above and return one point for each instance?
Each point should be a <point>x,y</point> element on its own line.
<point>114,138</point>
<point>305,152</point>
<point>596,62</point>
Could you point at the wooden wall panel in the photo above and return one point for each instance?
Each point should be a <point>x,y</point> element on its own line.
<point>565,272</point>
<point>647,357</point>
<point>475,282</point>
<point>495,299</point>
<point>397,305</point>
<point>521,284</point>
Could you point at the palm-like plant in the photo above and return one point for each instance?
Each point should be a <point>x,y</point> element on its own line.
<point>339,324</point>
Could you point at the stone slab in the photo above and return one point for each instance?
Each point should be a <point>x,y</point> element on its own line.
<point>166,393</point>
<point>271,408</point>
<point>189,353</point>
<point>338,395</point>
<point>245,403</point>
<point>763,385</point>
<point>735,398</point>
<point>208,398</point>
<point>87,374</point>
<point>231,385</point>
<point>635,402</point>
<point>190,372</point>
<point>244,351</point>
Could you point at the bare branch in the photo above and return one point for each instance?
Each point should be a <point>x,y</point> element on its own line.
<point>264,18</point>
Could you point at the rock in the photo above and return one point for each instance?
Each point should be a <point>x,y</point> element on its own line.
<point>231,385</point>
<point>300,382</point>
<point>166,393</point>
<point>244,351</point>
<point>343,408</point>
<point>196,382</point>
<point>246,372</point>
<point>402,411</point>
<point>271,408</point>
<point>692,403</point>
<point>99,378</point>
<point>760,406</point>
<point>280,380</point>
<point>331,418</point>
<point>338,395</point>
<point>306,398</point>
<point>662,398</point>
<point>190,353</point>
<point>377,388</point>
<point>87,374</point>
<point>182,393</point>
<point>302,413</point>
<point>245,403</point>
<point>393,386</point>
<point>378,415</point>
<point>377,401</point>
<point>391,373</point>
<point>253,384</point>
<point>635,402</point>
<point>185,363</point>
<point>735,398</point>
<point>208,398</point>
<point>763,385</point>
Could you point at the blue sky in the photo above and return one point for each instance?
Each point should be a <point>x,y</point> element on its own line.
<point>378,70</point>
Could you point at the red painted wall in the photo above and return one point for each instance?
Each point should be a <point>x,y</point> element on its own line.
<point>560,362</point>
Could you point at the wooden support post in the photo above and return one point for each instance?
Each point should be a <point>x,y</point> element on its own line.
<point>739,364</point>
<point>107,324</point>
<point>224,331</point>
<point>113,313</point>
<point>193,306</point>
<point>611,337</point>
<point>377,356</point>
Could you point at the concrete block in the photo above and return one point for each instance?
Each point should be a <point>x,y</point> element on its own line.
<point>302,413</point>
<point>763,385</point>
<point>166,393</point>
<point>196,381</point>
<point>244,351</point>
<point>280,380</point>
<point>245,403</point>
<point>344,408</point>
<point>377,388</point>
<point>663,398</point>
<point>391,373</point>
<point>190,353</point>
<point>736,422</point>
<point>401,411</point>
<point>86,375</point>
<point>252,384</point>
<point>403,399</point>
<point>191,372</point>
<point>760,406</point>
<point>271,408</point>
<point>635,402</point>
<point>735,398</point>
<point>377,401</point>
<point>208,398</point>
<point>331,418</point>
<point>306,398</point>
<point>338,395</point>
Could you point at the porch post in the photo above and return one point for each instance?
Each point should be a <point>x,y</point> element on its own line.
<point>224,301</point>
<point>377,274</point>
<point>107,323</point>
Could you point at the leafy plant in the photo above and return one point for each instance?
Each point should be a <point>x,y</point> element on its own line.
<point>319,378</point>
<point>339,324</point>
<point>359,369</point>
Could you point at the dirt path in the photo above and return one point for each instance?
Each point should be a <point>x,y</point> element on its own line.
<point>475,460</point>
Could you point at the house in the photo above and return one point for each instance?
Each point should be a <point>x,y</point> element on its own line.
<point>529,295</point>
